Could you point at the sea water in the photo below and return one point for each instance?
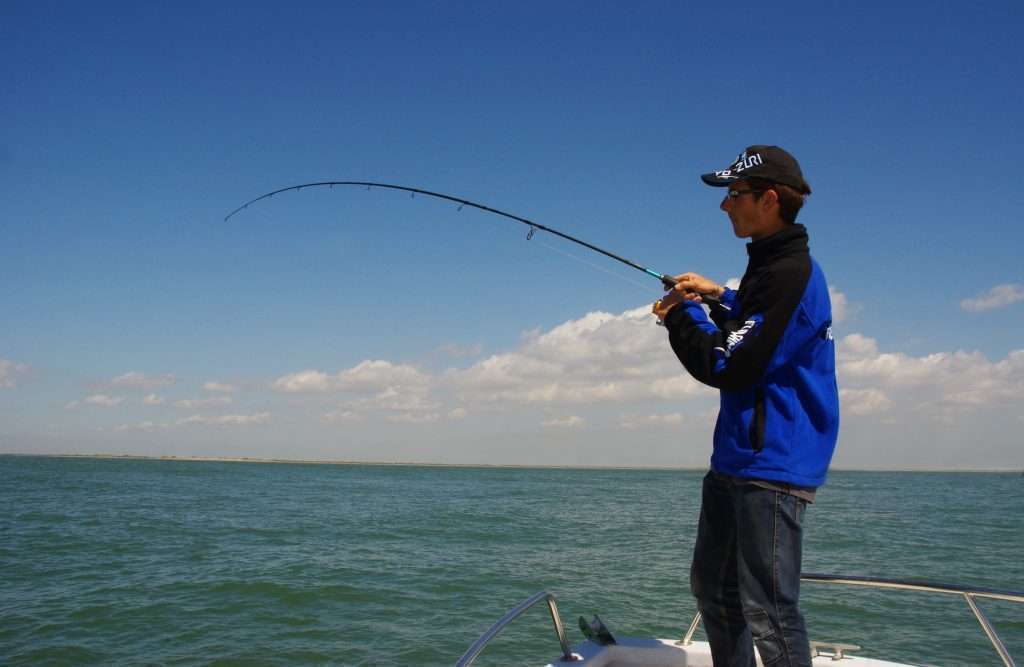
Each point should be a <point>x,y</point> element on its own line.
<point>114,561</point>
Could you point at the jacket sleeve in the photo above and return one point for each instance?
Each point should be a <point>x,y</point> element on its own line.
<point>734,353</point>
<point>720,314</point>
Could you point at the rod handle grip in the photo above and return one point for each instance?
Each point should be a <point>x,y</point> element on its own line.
<point>669,282</point>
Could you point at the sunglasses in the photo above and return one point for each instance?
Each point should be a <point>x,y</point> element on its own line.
<point>735,194</point>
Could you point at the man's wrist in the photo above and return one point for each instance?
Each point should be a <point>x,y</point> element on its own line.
<point>676,313</point>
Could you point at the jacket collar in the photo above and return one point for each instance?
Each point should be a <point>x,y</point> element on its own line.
<point>790,240</point>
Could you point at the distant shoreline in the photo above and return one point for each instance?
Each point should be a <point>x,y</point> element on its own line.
<point>336,462</point>
<point>428,464</point>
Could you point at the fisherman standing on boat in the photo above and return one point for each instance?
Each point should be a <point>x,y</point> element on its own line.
<point>768,348</point>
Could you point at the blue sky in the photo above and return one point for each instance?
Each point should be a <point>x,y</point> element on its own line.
<point>371,326</point>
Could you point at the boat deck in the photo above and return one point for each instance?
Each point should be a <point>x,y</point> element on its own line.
<point>646,652</point>
<point>642,652</point>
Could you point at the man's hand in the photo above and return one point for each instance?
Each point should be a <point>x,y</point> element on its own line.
<point>672,299</point>
<point>694,282</point>
<point>689,287</point>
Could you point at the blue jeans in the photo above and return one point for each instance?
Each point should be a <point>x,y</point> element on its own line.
<point>746,573</point>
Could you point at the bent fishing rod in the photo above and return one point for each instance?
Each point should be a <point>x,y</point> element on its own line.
<point>668,281</point>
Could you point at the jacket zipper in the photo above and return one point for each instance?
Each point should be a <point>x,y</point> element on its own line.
<point>756,432</point>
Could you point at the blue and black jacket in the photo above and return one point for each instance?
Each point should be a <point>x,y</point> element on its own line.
<point>772,355</point>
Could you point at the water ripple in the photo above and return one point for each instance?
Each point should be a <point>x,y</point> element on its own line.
<point>187,563</point>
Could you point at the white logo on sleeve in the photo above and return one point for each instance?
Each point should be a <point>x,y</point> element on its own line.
<point>735,338</point>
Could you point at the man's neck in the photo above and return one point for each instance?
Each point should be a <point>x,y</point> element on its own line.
<point>770,227</point>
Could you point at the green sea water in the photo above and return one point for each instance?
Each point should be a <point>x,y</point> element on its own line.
<point>109,561</point>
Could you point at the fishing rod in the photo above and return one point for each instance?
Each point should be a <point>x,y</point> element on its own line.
<point>668,281</point>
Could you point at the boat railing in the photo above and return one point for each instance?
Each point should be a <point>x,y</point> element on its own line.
<point>470,655</point>
<point>970,594</point>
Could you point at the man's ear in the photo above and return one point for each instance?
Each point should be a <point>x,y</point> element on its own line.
<point>770,198</point>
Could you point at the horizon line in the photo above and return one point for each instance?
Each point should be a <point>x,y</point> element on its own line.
<point>435,464</point>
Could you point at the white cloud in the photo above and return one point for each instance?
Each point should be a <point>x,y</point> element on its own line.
<point>220,387</point>
<point>399,404</point>
<point>200,403</point>
<point>586,365</point>
<point>602,372</point>
<point>145,427</point>
<point>343,417</point>
<point>227,420</point>
<point>999,296</point>
<point>856,346</point>
<point>677,386</point>
<point>414,417</point>
<point>842,308</point>
<point>863,401</point>
<point>207,420</point>
<point>378,375</point>
<point>136,380</point>
<point>9,370</point>
<point>598,358</point>
<point>634,422</point>
<point>943,382</point>
<point>99,401</point>
<point>393,398</point>
<point>307,381</point>
<point>366,377</point>
<point>402,393</point>
<point>859,359</point>
<point>572,421</point>
<point>838,300</point>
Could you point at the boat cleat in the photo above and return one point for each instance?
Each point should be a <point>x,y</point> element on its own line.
<point>837,649</point>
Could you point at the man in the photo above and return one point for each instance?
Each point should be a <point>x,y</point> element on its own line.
<point>768,348</point>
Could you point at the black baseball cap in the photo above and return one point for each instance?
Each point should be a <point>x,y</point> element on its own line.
<point>768,162</point>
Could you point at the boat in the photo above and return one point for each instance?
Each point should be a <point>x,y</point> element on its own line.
<point>602,649</point>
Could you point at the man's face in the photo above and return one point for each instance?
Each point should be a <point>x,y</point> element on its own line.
<point>746,212</point>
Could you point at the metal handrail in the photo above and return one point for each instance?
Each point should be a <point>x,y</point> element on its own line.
<point>470,655</point>
<point>969,593</point>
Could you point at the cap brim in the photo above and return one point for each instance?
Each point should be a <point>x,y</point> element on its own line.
<point>716,181</point>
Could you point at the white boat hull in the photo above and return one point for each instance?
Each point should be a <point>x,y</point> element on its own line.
<point>641,652</point>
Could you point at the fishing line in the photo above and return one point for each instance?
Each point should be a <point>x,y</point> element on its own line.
<point>667,281</point>
<point>595,266</point>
